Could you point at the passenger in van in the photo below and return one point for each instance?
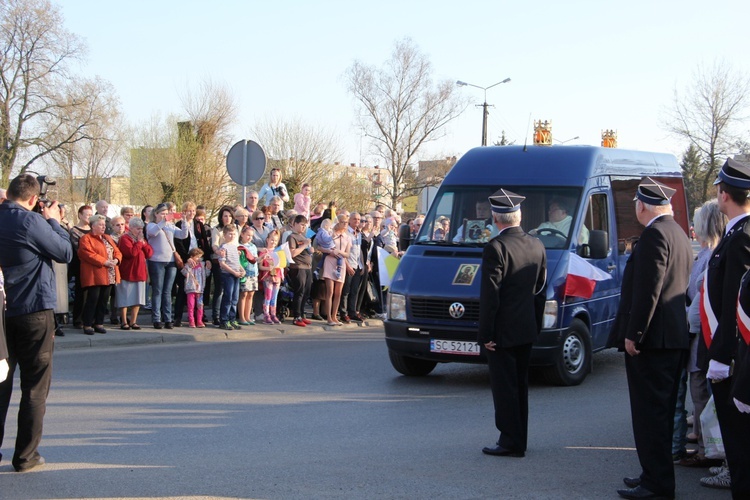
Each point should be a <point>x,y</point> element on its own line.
<point>442,230</point>
<point>559,222</point>
<point>483,212</point>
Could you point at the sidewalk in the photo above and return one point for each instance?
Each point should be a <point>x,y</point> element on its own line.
<point>75,339</point>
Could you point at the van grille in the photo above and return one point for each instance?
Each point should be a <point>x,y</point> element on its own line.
<point>437,309</point>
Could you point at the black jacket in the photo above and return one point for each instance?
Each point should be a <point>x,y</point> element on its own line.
<point>652,304</point>
<point>729,261</point>
<point>512,291</point>
<point>202,236</point>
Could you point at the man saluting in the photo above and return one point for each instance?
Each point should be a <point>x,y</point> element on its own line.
<point>651,326</point>
<point>512,296</point>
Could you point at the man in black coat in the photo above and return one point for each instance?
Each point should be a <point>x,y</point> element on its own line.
<point>3,344</point>
<point>651,326</point>
<point>718,350</point>
<point>512,296</point>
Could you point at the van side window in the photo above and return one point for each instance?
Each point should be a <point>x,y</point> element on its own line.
<point>596,217</point>
<point>628,227</point>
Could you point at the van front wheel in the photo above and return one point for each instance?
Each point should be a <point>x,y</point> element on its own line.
<point>573,360</point>
<point>411,367</point>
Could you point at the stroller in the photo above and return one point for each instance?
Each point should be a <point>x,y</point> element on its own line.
<point>284,300</point>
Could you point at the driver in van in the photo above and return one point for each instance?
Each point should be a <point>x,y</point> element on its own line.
<point>484,213</point>
<point>559,222</point>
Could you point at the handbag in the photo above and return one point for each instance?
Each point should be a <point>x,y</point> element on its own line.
<point>177,259</point>
<point>711,432</point>
<point>372,296</point>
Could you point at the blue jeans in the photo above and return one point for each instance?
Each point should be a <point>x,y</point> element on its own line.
<point>230,286</point>
<point>218,291</point>
<point>679,432</point>
<point>162,278</point>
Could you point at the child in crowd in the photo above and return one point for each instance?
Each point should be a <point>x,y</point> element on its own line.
<point>249,282</point>
<point>195,282</point>
<point>325,240</point>
<point>271,276</point>
<point>300,270</point>
<point>231,272</point>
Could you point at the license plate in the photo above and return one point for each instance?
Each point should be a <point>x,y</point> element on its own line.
<point>454,347</point>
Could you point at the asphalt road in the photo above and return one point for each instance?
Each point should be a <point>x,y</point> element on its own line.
<point>315,415</point>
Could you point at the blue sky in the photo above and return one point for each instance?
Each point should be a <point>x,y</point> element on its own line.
<point>585,65</point>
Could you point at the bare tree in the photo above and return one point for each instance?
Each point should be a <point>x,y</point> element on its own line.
<point>298,149</point>
<point>95,157</point>
<point>43,105</point>
<point>184,159</point>
<point>400,110</point>
<point>707,114</point>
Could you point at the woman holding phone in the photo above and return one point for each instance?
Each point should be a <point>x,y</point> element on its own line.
<point>161,265</point>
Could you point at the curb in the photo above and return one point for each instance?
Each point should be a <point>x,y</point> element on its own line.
<point>75,339</point>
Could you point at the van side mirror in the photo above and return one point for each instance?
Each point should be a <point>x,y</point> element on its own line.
<point>404,237</point>
<point>598,244</point>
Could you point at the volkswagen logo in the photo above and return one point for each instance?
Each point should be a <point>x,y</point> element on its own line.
<point>456,310</point>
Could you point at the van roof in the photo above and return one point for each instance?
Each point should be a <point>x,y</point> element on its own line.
<point>556,165</point>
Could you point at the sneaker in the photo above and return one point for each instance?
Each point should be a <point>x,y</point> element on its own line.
<point>227,326</point>
<point>381,316</point>
<point>216,322</point>
<point>317,317</point>
<point>275,320</point>
<point>346,320</point>
<point>267,320</point>
<point>39,462</point>
<point>192,324</point>
<point>299,322</point>
<point>306,321</point>
<point>236,325</point>
<point>201,324</point>
<point>715,471</point>
<point>720,481</point>
<point>169,325</point>
<point>158,325</point>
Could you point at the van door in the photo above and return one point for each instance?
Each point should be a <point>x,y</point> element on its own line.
<point>597,244</point>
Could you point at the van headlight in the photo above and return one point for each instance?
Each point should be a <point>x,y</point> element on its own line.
<point>397,307</point>
<point>549,319</point>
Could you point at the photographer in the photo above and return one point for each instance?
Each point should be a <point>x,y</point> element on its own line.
<point>274,187</point>
<point>31,241</point>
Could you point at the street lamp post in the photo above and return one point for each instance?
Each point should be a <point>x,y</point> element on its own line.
<point>567,140</point>
<point>484,106</point>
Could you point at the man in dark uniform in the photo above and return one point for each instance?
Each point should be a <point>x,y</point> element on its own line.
<point>651,326</point>
<point>31,241</point>
<point>3,344</point>
<point>741,393</point>
<point>718,350</point>
<point>512,296</point>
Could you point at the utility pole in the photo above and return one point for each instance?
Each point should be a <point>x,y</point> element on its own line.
<point>486,112</point>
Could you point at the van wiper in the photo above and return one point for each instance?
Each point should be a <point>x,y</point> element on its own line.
<point>436,243</point>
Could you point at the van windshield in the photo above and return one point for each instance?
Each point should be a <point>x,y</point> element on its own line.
<point>462,216</point>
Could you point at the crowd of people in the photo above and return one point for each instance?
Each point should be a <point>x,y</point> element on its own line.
<point>173,262</point>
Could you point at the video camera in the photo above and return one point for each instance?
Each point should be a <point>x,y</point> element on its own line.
<point>45,181</point>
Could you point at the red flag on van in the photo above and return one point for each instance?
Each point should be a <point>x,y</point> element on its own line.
<point>582,277</point>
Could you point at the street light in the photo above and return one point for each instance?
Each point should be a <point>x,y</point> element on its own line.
<point>486,113</point>
<point>567,140</point>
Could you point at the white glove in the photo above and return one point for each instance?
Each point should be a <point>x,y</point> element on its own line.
<point>3,369</point>
<point>717,371</point>
<point>741,406</point>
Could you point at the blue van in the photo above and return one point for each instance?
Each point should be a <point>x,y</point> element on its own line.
<point>579,203</point>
